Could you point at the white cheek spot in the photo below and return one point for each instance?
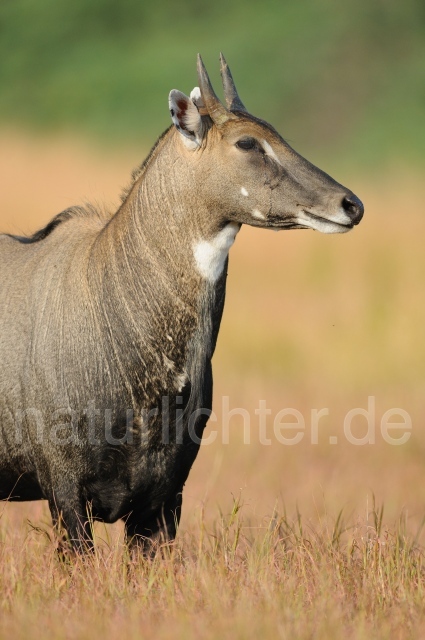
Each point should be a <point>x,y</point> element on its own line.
<point>211,255</point>
<point>257,214</point>
<point>269,151</point>
<point>244,192</point>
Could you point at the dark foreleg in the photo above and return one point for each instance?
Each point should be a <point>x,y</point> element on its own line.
<point>72,523</point>
<point>148,533</point>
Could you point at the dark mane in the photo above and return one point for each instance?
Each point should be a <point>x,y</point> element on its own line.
<point>140,169</point>
<point>41,234</point>
<point>73,212</point>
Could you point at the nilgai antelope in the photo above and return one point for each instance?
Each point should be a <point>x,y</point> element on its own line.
<point>108,323</point>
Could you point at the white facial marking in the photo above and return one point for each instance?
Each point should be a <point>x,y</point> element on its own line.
<point>244,192</point>
<point>210,255</point>
<point>257,214</point>
<point>341,217</point>
<point>321,224</point>
<point>269,151</point>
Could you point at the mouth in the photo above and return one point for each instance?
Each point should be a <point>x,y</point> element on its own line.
<point>324,225</point>
<point>307,220</point>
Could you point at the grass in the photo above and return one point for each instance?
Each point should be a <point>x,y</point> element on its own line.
<point>276,541</point>
<point>281,578</point>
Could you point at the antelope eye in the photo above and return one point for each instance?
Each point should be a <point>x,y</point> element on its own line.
<point>246,144</point>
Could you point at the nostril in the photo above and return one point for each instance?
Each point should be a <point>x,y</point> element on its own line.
<point>353,207</point>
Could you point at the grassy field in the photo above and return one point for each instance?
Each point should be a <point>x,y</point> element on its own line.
<point>319,539</point>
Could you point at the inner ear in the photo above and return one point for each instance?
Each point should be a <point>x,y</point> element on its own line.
<point>185,116</point>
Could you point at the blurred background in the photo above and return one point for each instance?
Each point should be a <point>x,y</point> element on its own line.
<point>311,321</point>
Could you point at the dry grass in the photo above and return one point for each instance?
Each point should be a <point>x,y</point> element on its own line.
<point>277,578</point>
<point>311,322</point>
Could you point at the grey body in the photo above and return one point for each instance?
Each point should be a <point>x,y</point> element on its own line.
<point>108,323</point>
<point>98,327</point>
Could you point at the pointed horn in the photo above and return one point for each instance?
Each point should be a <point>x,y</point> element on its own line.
<point>233,101</point>
<point>217,112</point>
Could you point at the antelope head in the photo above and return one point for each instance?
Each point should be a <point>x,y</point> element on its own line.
<point>246,171</point>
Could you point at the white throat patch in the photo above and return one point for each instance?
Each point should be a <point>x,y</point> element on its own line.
<point>211,255</point>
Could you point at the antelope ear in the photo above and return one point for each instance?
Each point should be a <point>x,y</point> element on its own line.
<point>186,118</point>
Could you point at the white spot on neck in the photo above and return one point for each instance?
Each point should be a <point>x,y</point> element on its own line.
<point>211,255</point>
<point>257,214</point>
<point>269,151</point>
<point>244,192</point>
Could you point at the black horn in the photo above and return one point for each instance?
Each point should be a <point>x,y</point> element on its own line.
<point>233,102</point>
<point>218,113</point>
